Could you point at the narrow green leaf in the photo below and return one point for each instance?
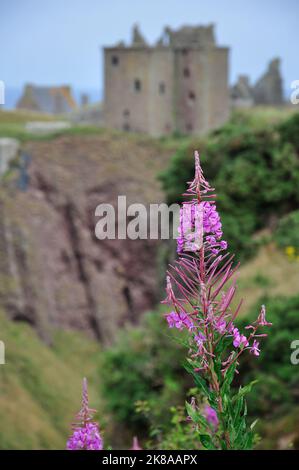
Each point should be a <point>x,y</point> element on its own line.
<point>206,441</point>
<point>196,417</point>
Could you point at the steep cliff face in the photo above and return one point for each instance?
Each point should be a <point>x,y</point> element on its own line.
<point>54,271</point>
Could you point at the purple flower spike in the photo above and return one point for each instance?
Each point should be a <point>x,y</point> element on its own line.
<point>135,445</point>
<point>86,434</point>
<point>204,284</point>
<point>85,438</point>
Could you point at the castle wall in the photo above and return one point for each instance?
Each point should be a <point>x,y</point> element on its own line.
<point>181,89</point>
<point>219,97</point>
<point>202,95</point>
<point>149,109</point>
<point>127,89</point>
<point>186,90</point>
<point>161,98</point>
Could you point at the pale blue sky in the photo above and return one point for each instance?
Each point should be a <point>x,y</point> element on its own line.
<point>59,41</point>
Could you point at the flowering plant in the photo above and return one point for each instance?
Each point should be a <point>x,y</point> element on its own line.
<point>201,286</point>
<point>86,434</point>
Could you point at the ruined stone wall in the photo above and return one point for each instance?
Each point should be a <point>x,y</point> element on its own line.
<point>269,88</point>
<point>169,87</point>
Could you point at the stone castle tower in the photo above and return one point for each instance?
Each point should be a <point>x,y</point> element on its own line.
<point>180,84</point>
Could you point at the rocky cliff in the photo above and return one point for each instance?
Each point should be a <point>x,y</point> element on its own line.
<point>54,271</point>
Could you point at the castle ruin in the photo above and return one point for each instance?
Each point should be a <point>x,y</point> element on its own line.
<point>267,91</point>
<point>178,85</point>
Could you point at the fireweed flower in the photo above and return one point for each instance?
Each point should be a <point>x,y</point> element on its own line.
<point>179,320</point>
<point>239,339</point>
<point>261,320</point>
<point>197,219</point>
<point>86,434</point>
<point>211,416</point>
<point>201,288</point>
<point>190,228</point>
<point>135,445</point>
<point>255,348</point>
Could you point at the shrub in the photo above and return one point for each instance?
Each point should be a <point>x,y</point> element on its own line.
<point>130,366</point>
<point>143,366</point>
<point>255,171</point>
<point>287,232</point>
<point>278,386</point>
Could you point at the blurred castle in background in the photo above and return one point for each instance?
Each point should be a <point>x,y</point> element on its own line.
<point>268,90</point>
<point>52,100</point>
<point>180,84</point>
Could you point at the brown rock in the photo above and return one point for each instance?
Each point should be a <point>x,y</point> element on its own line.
<point>54,271</point>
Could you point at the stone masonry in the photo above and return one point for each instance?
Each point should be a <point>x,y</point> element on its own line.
<point>267,91</point>
<point>178,85</point>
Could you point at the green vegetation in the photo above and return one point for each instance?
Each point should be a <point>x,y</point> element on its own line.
<point>145,365</point>
<point>287,233</point>
<point>12,124</point>
<point>255,170</point>
<point>278,385</point>
<point>40,385</point>
<point>139,383</point>
<point>21,117</point>
<point>139,380</point>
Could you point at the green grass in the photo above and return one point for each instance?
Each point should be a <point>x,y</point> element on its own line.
<point>260,117</point>
<point>40,386</point>
<point>18,131</point>
<point>12,124</point>
<point>21,117</point>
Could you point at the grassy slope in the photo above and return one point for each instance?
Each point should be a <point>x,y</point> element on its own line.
<point>20,117</point>
<point>270,273</point>
<point>12,124</point>
<point>40,385</point>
